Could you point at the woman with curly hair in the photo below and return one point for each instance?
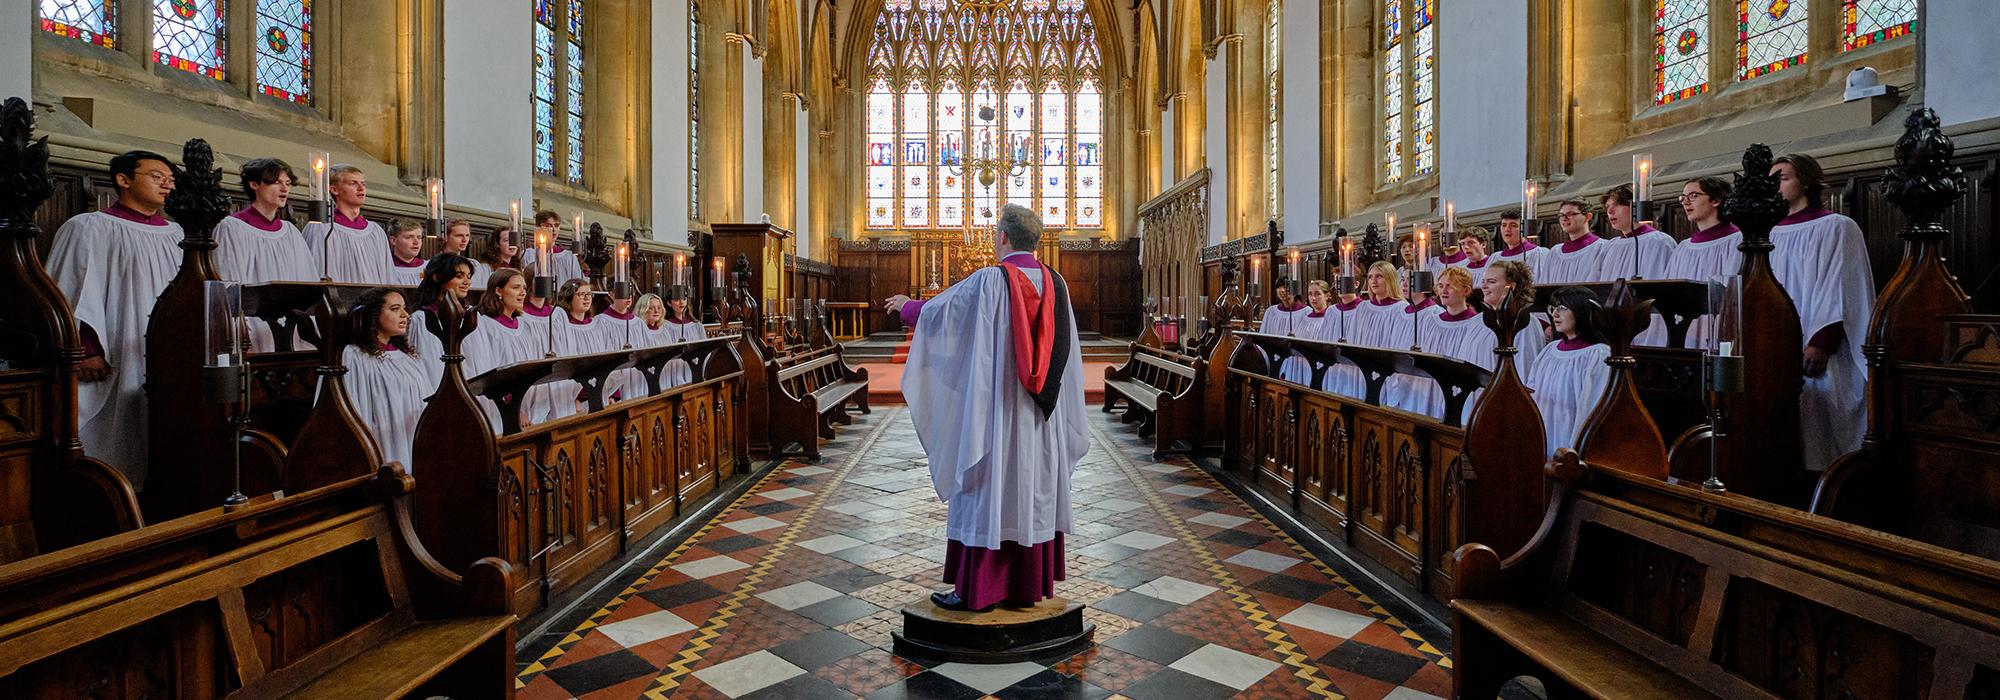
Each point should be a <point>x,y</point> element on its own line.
<point>385,379</point>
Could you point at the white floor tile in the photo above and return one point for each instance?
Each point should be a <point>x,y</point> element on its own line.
<point>1186,490</point>
<point>1174,590</point>
<point>711,566</point>
<point>1142,540</point>
<point>1325,620</point>
<point>748,673</point>
<point>830,543</point>
<point>756,524</point>
<point>646,628</point>
<point>852,507</point>
<point>989,678</point>
<point>1402,693</point>
<point>786,494</point>
<point>810,470</point>
<point>1262,560</point>
<point>1225,665</point>
<point>799,595</point>
<point>1219,520</point>
<point>1117,505</point>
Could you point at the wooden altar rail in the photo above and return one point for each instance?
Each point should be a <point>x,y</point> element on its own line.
<point>1380,477</point>
<point>560,499</point>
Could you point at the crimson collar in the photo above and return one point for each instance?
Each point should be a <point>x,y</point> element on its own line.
<point>1579,244</point>
<point>1469,312</point>
<point>1569,344</point>
<point>1525,246</point>
<point>1805,215</point>
<point>118,209</point>
<point>257,220</point>
<point>1718,231</point>
<point>359,222</point>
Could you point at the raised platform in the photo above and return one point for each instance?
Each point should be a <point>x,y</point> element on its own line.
<point>885,382</point>
<point>886,346</point>
<point>1052,628</point>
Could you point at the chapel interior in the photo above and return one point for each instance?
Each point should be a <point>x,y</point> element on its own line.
<point>1335,449</point>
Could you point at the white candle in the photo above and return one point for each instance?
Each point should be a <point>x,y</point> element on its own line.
<point>514,215</point>
<point>435,187</point>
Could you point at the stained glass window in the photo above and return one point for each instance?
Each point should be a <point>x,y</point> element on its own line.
<point>557,97</point>
<point>284,49</point>
<point>1272,108</point>
<point>1392,91</point>
<point>88,21</point>
<point>970,107</point>
<point>1770,36</point>
<point>1866,22</point>
<point>189,35</point>
<point>1680,49</point>
<point>1424,103</point>
<point>694,110</point>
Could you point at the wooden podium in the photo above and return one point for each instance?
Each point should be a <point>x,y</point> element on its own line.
<point>765,246</point>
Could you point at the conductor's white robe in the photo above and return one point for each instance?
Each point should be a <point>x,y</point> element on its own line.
<point>112,268</point>
<point>1822,261</point>
<point>1002,467</point>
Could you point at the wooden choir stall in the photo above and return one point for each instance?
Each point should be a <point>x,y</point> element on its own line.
<point>318,590</point>
<point>1629,582</point>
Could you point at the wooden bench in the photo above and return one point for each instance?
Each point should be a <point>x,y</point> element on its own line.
<point>1162,391</point>
<point>1637,587</point>
<point>812,393</point>
<point>323,593</point>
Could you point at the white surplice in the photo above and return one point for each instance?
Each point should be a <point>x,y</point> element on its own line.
<point>1582,263</point>
<point>351,255</point>
<point>1698,260</point>
<point>570,339</point>
<point>1822,261</point>
<point>1295,368</point>
<point>494,344</point>
<point>564,266</point>
<point>1279,320</point>
<point>1372,325</point>
<point>999,464</point>
<point>1527,252</point>
<point>112,270</point>
<point>1567,385</point>
<point>678,372</point>
<point>388,392</point>
<point>248,254</point>
<point>1466,339</point>
<point>1652,247</point>
<point>620,333</point>
<point>406,275</point>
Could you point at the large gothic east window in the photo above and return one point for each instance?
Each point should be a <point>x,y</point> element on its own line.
<point>971,105</point>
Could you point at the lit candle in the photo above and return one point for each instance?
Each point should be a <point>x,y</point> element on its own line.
<point>1529,188</point>
<point>514,215</point>
<point>579,228</point>
<point>1389,221</point>
<point>1346,256</point>
<point>435,188</point>
<point>1292,256</point>
<point>1423,245</point>
<point>715,275</point>
<point>624,263</point>
<point>319,172</point>
<point>542,266</point>
<point>680,269</point>
<point>1642,177</point>
<point>1450,217</point>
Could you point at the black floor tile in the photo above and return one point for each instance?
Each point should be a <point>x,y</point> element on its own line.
<point>1373,662</point>
<point>928,685</point>
<point>838,611</point>
<point>601,672</point>
<point>1049,684</point>
<point>806,687</point>
<point>680,594</point>
<point>1155,644</point>
<point>814,651</point>
<point>1170,684</point>
<point>1239,538</point>
<point>851,580</point>
<point>1137,606</point>
<point>772,507</point>
<point>736,543</point>
<point>1292,587</point>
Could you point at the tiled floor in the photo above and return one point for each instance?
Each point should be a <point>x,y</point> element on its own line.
<point>793,591</point>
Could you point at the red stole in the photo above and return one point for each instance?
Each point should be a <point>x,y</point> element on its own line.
<point>1033,317</point>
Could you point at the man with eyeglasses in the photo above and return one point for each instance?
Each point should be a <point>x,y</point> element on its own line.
<point>1709,255</point>
<point>1580,257</point>
<point>1639,251</point>
<point>112,265</point>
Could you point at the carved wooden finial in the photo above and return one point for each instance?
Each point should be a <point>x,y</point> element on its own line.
<point>451,324</point>
<point>1624,316</point>
<point>1754,203</point>
<point>1374,248</point>
<point>24,165</point>
<point>596,251</point>
<point>1507,320</point>
<point>198,201</point>
<point>1923,182</point>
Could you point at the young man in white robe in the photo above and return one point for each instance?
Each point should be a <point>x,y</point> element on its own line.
<point>406,247</point>
<point>1284,317</point>
<point>1710,255</point>
<point>1639,250</point>
<point>995,388</point>
<point>112,265</point>
<point>1458,331</point>
<point>1517,246</point>
<point>1580,257</point>
<point>1471,250</point>
<point>564,263</point>
<point>349,249</point>
<point>1822,261</point>
<point>1569,375</point>
<point>385,379</point>
<point>256,245</point>
<point>457,240</point>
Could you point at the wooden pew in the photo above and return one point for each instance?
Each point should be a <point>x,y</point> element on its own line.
<point>558,500</point>
<point>322,593</point>
<point>1164,392</point>
<point>811,393</point>
<point>1927,466</point>
<point>1634,587</point>
<point>51,495</point>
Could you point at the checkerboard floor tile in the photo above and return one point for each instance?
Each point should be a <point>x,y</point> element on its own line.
<point>795,589</point>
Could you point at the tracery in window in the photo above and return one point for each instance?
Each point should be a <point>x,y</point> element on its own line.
<point>1392,91</point>
<point>1409,88</point>
<point>1424,132</point>
<point>968,107</point>
<point>189,35</point>
<point>557,97</point>
<point>694,110</point>
<point>1866,22</point>
<point>1770,36</point>
<point>88,21</point>
<point>1273,28</point>
<point>1680,49</point>
<point>284,49</point>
